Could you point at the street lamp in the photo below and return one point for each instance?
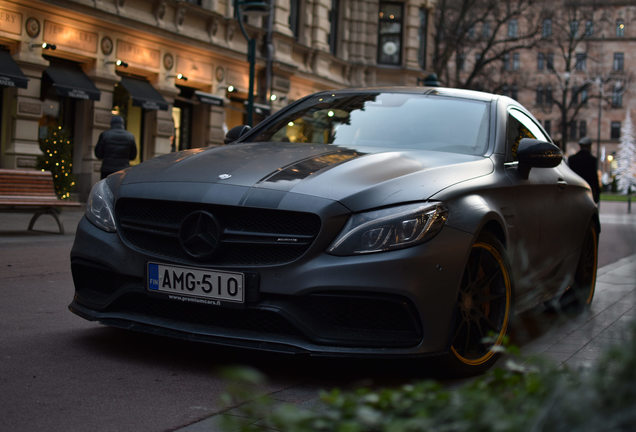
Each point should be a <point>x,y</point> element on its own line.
<point>249,7</point>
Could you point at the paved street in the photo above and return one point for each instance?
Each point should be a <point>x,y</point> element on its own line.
<point>59,372</point>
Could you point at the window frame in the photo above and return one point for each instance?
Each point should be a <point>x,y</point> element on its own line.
<point>388,35</point>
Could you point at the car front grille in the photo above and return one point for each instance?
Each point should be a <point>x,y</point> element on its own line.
<point>249,237</point>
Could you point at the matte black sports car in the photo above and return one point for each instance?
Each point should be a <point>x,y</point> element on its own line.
<point>378,222</point>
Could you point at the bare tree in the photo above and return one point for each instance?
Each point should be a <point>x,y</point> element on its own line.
<point>487,31</point>
<point>566,34</point>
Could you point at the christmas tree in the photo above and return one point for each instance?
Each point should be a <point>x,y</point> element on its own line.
<point>57,156</point>
<point>626,157</point>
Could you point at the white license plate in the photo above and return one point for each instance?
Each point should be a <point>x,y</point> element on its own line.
<point>196,283</point>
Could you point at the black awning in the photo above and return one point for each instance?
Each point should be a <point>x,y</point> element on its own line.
<point>143,94</point>
<point>69,80</point>
<point>10,73</point>
<point>208,98</point>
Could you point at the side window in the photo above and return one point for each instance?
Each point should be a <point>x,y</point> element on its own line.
<point>520,126</point>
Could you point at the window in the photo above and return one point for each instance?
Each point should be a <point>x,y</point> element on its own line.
<point>589,28</point>
<point>461,61</point>
<point>423,37</point>
<point>548,95</point>
<point>572,131</point>
<point>574,28</point>
<point>584,95</point>
<point>477,58</point>
<point>546,30</point>
<point>334,18</point>
<point>615,132</point>
<point>513,28</point>
<point>619,62</point>
<point>514,92</point>
<point>516,61</point>
<point>549,61</point>
<point>506,61</point>
<point>390,34</point>
<point>581,62</point>
<point>582,128</point>
<point>472,33</point>
<point>547,125</point>
<point>294,17</point>
<point>540,61</point>
<point>485,30</point>
<point>617,95</point>
<point>620,28</point>
<point>520,126</point>
<point>539,96</point>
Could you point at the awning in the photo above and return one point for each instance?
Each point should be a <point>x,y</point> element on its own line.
<point>143,94</point>
<point>10,73</point>
<point>208,98</point>
<point>68,80</point>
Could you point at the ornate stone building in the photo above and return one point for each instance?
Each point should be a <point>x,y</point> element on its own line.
<point>177,71</point>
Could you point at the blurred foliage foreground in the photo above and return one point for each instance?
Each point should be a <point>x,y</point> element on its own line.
<point>523,395</point>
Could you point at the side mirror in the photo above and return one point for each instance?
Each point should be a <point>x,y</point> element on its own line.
<point>533,153</point>
<point>235,133</point>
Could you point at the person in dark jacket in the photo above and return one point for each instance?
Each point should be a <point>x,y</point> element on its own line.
<point>115,146</point>
<point>586,165</point>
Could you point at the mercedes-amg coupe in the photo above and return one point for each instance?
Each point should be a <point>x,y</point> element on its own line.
<point>388,222</point>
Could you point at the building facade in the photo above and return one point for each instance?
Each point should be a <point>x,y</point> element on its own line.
<point>575,70</point>
<point>177,72</point>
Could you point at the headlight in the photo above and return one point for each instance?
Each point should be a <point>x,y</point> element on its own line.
<point>99,208</point>
<point>389,228</point>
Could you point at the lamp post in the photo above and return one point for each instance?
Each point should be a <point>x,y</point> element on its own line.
<point>249,7</point>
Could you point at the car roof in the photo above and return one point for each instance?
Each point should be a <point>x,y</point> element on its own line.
<point>441,91</point>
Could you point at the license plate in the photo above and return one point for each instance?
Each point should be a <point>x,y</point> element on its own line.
<point>189,283</point>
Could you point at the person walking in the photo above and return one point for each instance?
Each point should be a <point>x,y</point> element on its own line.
<point>115,147</point>
<point>586,165</point>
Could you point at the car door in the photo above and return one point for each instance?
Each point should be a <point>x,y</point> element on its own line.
<point>536,201</point>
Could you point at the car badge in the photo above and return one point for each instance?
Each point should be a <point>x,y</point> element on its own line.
<point>200,234</point>
<point>225,176</point>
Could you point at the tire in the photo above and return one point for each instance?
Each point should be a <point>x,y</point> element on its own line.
<point>581,292</point>
<point>484,308</point>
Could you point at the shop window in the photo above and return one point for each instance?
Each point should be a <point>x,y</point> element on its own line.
<point>390,33</point>
<point>182,118</point>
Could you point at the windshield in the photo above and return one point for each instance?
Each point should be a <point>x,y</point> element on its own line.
<point>398,121</point>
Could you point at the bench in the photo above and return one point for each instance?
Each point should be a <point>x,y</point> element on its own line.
<point>31,191</point>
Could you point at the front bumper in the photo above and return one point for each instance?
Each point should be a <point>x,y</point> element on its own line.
<point>393,304</point>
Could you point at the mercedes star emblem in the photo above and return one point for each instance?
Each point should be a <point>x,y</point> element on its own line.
<point>200,234</point>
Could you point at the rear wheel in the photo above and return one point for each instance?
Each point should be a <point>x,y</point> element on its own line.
<point>483,309</point>
<point>581,292</point>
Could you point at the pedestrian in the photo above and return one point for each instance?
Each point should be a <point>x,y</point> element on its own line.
<point>586,165</point>
<point>115,146</point>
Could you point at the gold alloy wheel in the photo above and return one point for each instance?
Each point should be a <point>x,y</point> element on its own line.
<point>484,304</point>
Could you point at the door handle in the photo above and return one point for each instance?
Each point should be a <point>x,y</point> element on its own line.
<point>562,183</point>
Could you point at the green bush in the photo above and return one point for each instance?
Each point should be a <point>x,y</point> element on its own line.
<point>523,395</point>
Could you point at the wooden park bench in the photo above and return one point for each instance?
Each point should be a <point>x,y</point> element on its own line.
<point>31,191</point>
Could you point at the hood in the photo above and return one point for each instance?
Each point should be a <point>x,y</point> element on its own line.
<point>356,177</point>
